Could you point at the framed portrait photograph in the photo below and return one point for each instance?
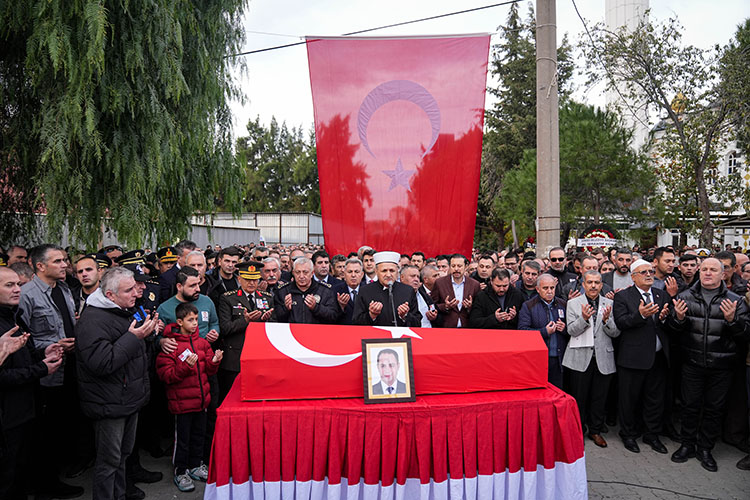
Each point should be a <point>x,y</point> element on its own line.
<point>387,370</point>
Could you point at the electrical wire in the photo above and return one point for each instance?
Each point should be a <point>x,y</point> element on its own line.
<point>606,69</point>
<point>257,51</point>
<point>624,483</point>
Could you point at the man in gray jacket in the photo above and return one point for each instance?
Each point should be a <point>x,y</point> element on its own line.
<point>589,355</point>
<point>47,310</point>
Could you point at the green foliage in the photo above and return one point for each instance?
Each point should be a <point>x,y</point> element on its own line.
<point>511,123</point>
<point>116,112</point>
<point>735,84</point>
<point>652,67</point>
<point>280,168</point>
<point>601,178</point>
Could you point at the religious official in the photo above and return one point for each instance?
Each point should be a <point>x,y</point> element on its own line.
<point>237,308</point>
<point>590,355</point>
<point>386,302</point>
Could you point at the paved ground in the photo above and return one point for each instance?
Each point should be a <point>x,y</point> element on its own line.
<point>613,473</point>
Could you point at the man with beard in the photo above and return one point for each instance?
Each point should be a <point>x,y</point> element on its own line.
<point>497,306</point>
<point>305,300</point>
<point>225,281</point>
<point>386,302</point>
<point>237,308</point>
<point>417,259</point>
<point>454,294</point>
<point>620,278</point>
<point>19,376</point>
<point>188,290</point>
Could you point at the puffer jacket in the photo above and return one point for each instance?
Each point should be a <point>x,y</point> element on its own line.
<point>188,389</point>
<point>112,363</point>
<point>705,337</point>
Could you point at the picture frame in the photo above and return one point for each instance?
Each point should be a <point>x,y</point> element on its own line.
<point>388,371</point>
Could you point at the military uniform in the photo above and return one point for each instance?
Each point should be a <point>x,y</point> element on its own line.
<point>326,309</point>
<point>232,322</point>
<point>135,261</point>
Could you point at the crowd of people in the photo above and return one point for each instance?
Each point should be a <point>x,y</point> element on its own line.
<point>104,355</point>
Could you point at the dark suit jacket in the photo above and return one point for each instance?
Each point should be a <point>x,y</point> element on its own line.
<point>375,291</point>
<point>400,388</point>
<point>422,291</point>
<point>346,318</point>
<point>232,324</point>
<point>443,290</point>
<point>168,282</point>
<point>637,345</point>
<point>487,302</point>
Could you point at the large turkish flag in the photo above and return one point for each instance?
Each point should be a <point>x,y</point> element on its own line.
<point>398,126</point>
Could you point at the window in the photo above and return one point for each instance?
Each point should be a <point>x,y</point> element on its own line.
<point>733,164</point>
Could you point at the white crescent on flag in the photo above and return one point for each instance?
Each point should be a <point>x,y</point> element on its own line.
<point>281,337</point>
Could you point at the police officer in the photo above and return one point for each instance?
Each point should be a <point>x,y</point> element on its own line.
<point>304,300</point>
<point>237,308</point>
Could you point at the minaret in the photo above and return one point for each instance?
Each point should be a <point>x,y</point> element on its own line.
<point>628,13</point>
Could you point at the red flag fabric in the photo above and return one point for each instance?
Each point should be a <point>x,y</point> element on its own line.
<point>398,126</point>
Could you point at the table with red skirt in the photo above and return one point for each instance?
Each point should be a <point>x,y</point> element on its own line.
<point>487,445</point>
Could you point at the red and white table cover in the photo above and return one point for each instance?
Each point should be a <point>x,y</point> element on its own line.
<point>491,445</point>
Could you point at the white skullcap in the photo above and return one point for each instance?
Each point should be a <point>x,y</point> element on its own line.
<point>381,257</point>
<point>638,263</point>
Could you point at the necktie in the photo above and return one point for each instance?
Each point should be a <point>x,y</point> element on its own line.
<point>647,298</point>
<point>354,295</point>
<point>390,390</point>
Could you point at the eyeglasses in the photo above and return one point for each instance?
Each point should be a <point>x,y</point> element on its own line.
<point>647,272</point>
<point>556,259</point>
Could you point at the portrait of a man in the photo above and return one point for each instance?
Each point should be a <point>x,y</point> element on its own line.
<point>388,365</point>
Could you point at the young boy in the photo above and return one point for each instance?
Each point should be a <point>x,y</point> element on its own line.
<point>185,372</point>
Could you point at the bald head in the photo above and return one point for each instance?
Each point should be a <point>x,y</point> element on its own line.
<point>711,273</point>
<point>10,287</point>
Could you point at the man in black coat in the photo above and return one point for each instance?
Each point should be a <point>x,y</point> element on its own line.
<point>19,377</point>
<point>712,321</point>
<point>497,305</point>
<point>113,381</point>
<point>640,313</point>
<point>305,300</point>
<point>386,302</point>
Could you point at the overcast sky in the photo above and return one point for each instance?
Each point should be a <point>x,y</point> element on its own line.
<point>277,82</point>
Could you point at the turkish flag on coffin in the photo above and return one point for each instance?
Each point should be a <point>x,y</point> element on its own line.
<point>398,127</point>
<point>299,361</point>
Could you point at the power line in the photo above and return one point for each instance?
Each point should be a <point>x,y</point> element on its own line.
<point>382,27</point>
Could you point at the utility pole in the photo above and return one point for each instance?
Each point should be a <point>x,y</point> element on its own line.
<point>547,129</point>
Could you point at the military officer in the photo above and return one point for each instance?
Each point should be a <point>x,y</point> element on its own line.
<point>135,260</point>
<point>237,308</point>
<point>304,300</point>
<point>386,302</point>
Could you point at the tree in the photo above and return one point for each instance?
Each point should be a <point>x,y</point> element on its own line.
<point>511,123</point>
<point>735,84</point>
<point>280,168</point>
<point>601,178</point>
<point>116,113</point>
<point>650,64</point>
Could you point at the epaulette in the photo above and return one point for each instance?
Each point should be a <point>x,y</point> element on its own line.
<point>263,292</point>
<point>280,283</point>
<point>282,286</point>
<point>153,282</point>
<point>324,283</point>
<point>230,292</point>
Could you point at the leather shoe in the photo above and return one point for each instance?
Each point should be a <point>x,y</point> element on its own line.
<point>631,445</point>
<point>598,440</point>
<point>655,445</point>
<point>140,475</point>
<point>683,454</point>
<point>744,464</point>
<point>707,460</point>
<point>133,492</point>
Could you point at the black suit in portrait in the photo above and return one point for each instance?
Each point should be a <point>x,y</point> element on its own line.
<point>641,369</point>
<point>378,293</point>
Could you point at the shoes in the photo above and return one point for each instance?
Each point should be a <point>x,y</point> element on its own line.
<point>631,445</point>
<point>682,455</point>
<point>79,467</point>
<point>744,464</point>
<point>140,475</point>
<point>183,482</point>
<point>655,445</point>
<point>60,490</point>
<point>133,492</point>
<point>598,440</point>
<point>200,473</point>
<point>707,460</point>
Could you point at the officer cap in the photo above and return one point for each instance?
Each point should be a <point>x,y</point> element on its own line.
<point>249,270</point>
<point>167,254</point>
<point>131,257</point>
